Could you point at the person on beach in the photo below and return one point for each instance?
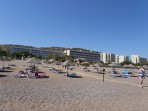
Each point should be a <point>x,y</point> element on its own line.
<point>21,72</point>
<point>36,73</point>
<point>141,76</point>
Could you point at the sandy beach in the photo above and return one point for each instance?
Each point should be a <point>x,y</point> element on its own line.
<point>62,93</point>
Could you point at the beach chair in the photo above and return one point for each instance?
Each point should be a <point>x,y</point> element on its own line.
<point>21,75</point>
<point>70,68</point>
<point>74,75</point>
<point>123,74</point>
<point>119,75</point>
<point>126,73</point>
<point>2,69</point>
<point>71,75</point>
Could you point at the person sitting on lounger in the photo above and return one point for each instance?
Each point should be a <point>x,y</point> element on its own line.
<point>21,73</point>
<point>36,73</point>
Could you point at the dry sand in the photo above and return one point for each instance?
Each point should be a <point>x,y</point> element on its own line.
<point>61,93</point>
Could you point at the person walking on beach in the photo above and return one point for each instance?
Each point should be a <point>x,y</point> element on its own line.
<point>141,76</point>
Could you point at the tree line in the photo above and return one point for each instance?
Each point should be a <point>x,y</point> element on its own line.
<point>25,54</point>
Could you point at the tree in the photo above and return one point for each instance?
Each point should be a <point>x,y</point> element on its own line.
<point>18,55</point>
<point>3,53</point>
<point>126,62</point>
<point>66,57</point>
<point>38,56</point>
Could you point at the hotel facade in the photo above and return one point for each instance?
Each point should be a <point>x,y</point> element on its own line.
<point>88,55</point>
<point>31,50</point>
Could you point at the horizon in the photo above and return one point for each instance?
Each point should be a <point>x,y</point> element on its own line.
<point>110,26</point>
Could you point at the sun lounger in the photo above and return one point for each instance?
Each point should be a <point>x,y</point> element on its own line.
<point>12,65</point>
<point>43,75</point>
<point>70,68</point>
<point>21,75</point>
<point>119,75</point>
<point>71,75</point>
<point>1,69</point>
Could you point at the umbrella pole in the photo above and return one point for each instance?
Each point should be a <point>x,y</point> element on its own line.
<point>52,67</point>
<point>67,70</point>
<point>58,68</point>
<point>98,69</point>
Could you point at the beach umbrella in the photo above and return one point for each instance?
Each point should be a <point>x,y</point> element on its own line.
<point>3,58</point>
<point>32,60</point>
<point>114,65</point>
<point>52,61</point>
<point>68,63</point>
<point>98,65</point>
<point>138,67</point>
<point>131,66</point>
<point>84,63</point>
<point>79,60</point>
<point>82,59</point>
<point>58,63</point>
<point>145,67</point>
<point>125,66</point>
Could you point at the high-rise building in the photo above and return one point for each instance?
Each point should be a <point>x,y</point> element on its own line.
<point>135,59</point>
<point>107,57</point>
<point>121,58</point>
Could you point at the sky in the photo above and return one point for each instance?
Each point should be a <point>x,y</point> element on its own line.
<point>111,26</point>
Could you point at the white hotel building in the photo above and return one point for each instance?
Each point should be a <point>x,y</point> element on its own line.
<point>88,55</point>
<point>32,50</point>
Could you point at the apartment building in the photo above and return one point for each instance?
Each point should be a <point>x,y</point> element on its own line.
<point>121,58</point>
<point>135,59</point>
<point>107,57</point>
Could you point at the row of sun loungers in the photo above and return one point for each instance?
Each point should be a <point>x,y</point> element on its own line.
<point>58,71</point>
<point>126,74</point>
<point>42,75</point>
